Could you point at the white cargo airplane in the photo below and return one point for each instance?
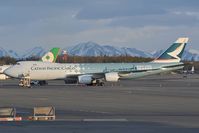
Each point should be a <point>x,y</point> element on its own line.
<point>97,73</point>
<point>50,56</point>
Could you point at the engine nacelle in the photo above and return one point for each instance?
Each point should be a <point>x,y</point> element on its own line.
<point>85,79</point>
<point>112,77</point>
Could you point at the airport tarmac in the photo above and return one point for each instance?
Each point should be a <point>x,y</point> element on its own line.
<point>160,103</point>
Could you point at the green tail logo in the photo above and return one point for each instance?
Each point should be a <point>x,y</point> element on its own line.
<point>51,56</point>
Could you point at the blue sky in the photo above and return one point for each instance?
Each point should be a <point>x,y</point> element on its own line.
<point>143,24</point>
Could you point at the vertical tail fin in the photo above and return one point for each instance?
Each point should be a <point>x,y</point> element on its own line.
<point>51,56</point>
<point>174,52</point>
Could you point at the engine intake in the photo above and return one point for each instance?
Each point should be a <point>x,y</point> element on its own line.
<point>85,79</point>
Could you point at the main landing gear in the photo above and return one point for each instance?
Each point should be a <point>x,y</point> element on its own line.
<point>97,82</point>
<point>26,81</point>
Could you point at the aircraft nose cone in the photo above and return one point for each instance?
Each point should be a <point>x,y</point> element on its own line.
<point>9,72</point>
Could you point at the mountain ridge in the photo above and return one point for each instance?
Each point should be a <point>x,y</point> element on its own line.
<point>94,49</point>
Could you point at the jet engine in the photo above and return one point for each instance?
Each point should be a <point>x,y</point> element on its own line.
<point>85,79</point>
<point>112,77</point>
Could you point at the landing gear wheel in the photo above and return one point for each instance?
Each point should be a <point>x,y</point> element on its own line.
<point>99,83</point>
<point>42,83</point>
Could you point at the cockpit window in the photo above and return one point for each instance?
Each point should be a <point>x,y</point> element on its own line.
<point>18,64</point>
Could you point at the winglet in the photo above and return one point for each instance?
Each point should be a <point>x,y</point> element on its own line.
<point>174,52</point>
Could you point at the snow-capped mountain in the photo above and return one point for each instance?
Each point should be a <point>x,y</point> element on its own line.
<point>134,52</point>
<point>157,53</point>
<point>36,52</point>
<point>86,49</point>
<point>3,52</point>
<point>10,53</point>
<point>94,49</point>
<point>191,55</point>
<point>13,54</point>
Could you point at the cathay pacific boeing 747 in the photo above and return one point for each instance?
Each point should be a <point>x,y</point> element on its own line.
<point>97,73</point>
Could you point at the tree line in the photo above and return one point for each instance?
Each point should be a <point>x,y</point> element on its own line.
<point>80,59</point>
<point>7,60</point>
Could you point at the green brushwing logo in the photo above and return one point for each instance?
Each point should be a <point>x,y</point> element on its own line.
<point>48,57</point>
<point>51,56</point>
